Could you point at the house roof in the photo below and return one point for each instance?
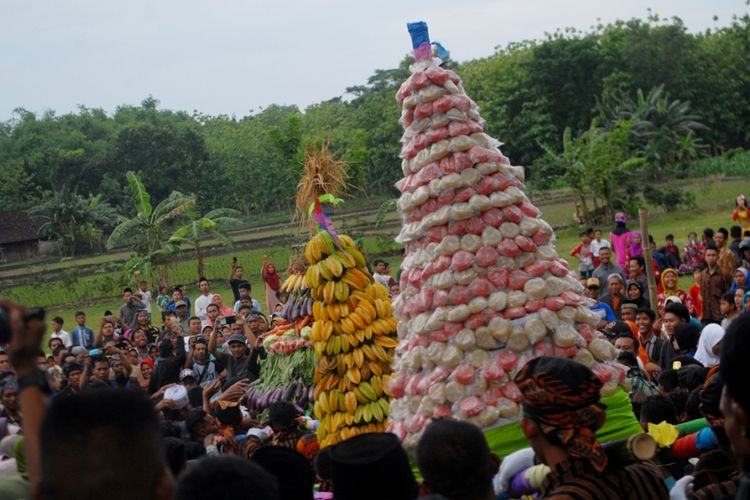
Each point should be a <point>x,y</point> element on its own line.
<point>17,226</point>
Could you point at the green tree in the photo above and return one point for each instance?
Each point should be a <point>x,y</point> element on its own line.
<point>144,232</point>
<point>76,223</point>
<point>213,224</point>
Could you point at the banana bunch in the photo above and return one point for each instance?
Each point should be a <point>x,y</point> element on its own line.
<point>294,283</point>
<point>353,336</point>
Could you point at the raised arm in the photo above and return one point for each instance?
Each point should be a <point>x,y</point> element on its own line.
<point>212,340</point>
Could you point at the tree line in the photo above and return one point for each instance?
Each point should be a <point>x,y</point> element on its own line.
<point>607,108</point>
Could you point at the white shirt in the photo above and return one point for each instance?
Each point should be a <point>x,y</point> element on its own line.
<point>383,279</point>
<point>201,303</point>
<point>598,245</point>
<point>62,335</point>
<point>145,298</point>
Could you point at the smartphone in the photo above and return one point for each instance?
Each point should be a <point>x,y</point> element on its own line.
<point>228,321</point>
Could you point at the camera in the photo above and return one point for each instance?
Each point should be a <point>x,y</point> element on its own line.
<point>6,332</point>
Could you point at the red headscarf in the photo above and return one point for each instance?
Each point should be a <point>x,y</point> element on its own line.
<point>271,277</point>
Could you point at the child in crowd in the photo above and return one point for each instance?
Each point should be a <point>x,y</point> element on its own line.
<point>585,255</point>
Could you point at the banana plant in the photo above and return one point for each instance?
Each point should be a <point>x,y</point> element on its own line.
<point>144,231</point>
<point>212,224</point>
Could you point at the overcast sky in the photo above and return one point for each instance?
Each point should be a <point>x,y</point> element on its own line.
<point>232,56</point>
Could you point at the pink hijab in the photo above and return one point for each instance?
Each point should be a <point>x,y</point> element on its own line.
<point>223,310</point>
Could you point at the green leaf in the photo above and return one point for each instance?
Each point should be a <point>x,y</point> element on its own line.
<point>140,195</point>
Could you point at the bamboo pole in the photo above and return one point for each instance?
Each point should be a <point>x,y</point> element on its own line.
<point>652,295</point>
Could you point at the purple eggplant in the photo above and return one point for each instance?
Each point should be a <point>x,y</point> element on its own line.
<point>288,393</point>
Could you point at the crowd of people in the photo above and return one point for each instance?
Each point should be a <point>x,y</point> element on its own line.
<point>157,411</point>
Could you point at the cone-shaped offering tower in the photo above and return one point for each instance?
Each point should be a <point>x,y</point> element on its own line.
<point>354,331</point>
<point>482,288</point>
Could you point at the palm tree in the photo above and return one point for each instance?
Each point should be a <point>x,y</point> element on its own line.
<point>144,232</point>
<point>75,222</point>
<point>214,224</point>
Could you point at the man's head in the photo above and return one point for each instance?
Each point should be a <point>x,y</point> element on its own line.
<point>81,318</point>
<point>627,343</point>
<point>245,289</point>
<point>380,266</point>
<point>59,354</point>
<point>176,295</point>
<point>357,460</point>
<point>657,409</point>
<point>726,304</point>
<point>592,288</point>
<point>735,232</point>
<point>9,393</point>
<point>456,461</point>
<point>720,238</point>
<point>561,409</point>
<point>57,323</point>
<point>708,235</point>
<point>669,239</point>
<point>597,234</point>
<point>200,349</point>
<point>735,399</point>
<point>200,424</point>
<point>711,256</point>
<point>181,309</point>
<point>194,325</point>
<point>54,344</point>
<point>291,470</point>
<point>204,286</point>
<point>675,314</point>
<point>212,311</point>
<point>636,265</point>
<point>127,295</point>
<point>627,311</point>
<point>226,477</point>
<point>237,346</point>
<point>282,416</point>
<point>585,237</point>
<point>4,362</point>
<point>100,367</point>
<point>745,249</point>
<point>644,320</point>
<point>605,255</point>
<point>615,284</point>
<point>166,348</point>
<point>72,372</point>
<point>86,430</point>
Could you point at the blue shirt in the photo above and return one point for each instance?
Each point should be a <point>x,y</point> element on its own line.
<point>609,315</point>
<point>82,336</point>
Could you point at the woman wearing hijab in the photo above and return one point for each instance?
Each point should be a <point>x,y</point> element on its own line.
<point>685,339</point>
<point>746,302</point>
<point>740,279</point>
<point>635,294</point>
<point>223,310</point>
<point>708,345</point>
<point>669,279</point>
<point>619,238</point>
<point>634,245</point>
<point>272,284</point>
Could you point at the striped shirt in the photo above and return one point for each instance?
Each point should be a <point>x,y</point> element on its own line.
<point>717,491</point>
<point>577,479</point>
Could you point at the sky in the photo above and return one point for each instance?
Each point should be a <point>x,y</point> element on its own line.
<point>234,57</point>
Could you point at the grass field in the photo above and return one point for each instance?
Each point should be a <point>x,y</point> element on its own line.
<point>100,291</point>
